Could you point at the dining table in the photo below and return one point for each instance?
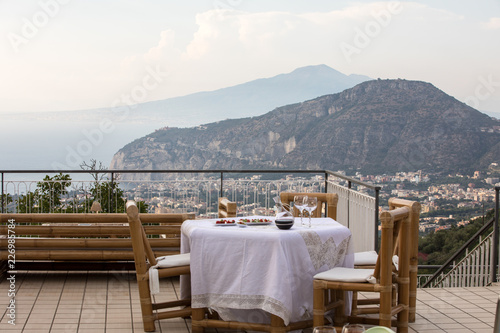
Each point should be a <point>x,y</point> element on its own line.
<point>246,273</point>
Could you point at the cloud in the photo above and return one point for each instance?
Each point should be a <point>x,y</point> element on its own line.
<point>231,46</point>
<point>220,48</point>
<point>492,24</point>
<point>166,44</point>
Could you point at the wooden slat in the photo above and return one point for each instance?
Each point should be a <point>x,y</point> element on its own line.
<point>85,254</point>
<point>66,265</point>
<point>87,231</point>
<point>94,218</point>
<point>87,243</point>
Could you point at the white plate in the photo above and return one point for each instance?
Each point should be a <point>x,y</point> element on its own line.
<point>258,223</point>
<point>224,224</point>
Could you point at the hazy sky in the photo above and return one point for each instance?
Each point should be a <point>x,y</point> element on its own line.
<point>67,55</point>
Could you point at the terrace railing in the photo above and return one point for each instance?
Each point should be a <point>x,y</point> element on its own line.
<point>475,264</point>
<point>193,191</point>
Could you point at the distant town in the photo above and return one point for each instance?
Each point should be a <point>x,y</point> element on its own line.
<point>446,200</point>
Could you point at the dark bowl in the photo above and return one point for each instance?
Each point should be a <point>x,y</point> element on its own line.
<point>284,223</point>
<point>284,226</point>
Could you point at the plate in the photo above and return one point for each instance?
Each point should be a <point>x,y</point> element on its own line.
<point>257,221</point>
<point>226,224</point>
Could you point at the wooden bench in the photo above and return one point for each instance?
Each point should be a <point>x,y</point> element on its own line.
<point>67,241</point>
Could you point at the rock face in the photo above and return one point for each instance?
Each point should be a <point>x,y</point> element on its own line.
<point>378,126</point>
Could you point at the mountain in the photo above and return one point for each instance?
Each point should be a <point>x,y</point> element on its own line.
<point>244,100</point>
<point>257,97</point>
<point>378,126</point>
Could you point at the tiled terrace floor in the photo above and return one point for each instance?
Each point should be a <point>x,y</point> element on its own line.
<point>99,302</point>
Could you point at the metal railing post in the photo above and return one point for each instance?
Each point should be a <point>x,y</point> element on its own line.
<point>377,198</point>
<point>349,185</point>
<point>326,182</point>
<point>111,196</point>
<point>221,183</point>
<point>3,199</point>
<point>494,267</point>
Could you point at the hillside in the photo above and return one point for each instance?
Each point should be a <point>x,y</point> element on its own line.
<point>377,126</point>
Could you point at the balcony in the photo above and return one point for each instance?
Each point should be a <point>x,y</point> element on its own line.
<point>107,301</point>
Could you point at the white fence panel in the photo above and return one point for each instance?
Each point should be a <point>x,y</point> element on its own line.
<point>356,211</point>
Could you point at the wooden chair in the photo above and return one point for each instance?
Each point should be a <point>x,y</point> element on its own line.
<point>368,259</point>
<point>226,208</point>
<point>395,230</point>
<point>148,272</point>
<point>414,208</point>
<point>326,201</point>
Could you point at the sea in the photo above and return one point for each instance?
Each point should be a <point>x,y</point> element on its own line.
<point>63,145</point>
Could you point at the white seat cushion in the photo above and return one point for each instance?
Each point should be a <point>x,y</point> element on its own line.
<point>173,260</point>
<point>365,258</point>
<point>342,274</point>
<point>165,262</point>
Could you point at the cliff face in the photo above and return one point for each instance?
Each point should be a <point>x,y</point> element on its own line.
<point>377,126</point>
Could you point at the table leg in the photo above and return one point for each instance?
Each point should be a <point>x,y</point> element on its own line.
<point>277,324</point>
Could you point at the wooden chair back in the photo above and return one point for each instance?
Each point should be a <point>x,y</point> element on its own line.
<point>326,202</point>
<point>395,232</point>
<point>140,244</point>
<point>414,208</point>
<point>226,208</point>
<point>142,251</point>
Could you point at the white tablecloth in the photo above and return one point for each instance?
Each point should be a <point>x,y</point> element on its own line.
<point>260,267</point>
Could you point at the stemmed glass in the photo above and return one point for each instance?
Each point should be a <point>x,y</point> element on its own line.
<point>310,205</point>
<point>299,202</point>
<point>324,329</point>
<point>353,328</point>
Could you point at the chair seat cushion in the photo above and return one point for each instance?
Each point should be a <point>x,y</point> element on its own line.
<point>173,260</point>
<point>365,258</point>
<point>342,274</point>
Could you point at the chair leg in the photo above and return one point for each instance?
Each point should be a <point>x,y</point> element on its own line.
<point>277,325</point>
<point>318,306</point>
<point>354,306</point>
<point>385,307</point>
<point>340,316</point>
<point>413,294</point>
<point>146,306</point>
<point>197,315</point>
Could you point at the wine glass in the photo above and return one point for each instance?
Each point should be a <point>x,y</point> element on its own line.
<point>310,205</point>
<point>298,202</point>
<point>353,328</point>
<point>324,329</point>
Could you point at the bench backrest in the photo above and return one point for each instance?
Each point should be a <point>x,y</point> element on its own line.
<point>87,236</point>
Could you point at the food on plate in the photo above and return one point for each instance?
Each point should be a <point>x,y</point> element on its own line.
<point>225,222</point>
<point>255,220</point>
